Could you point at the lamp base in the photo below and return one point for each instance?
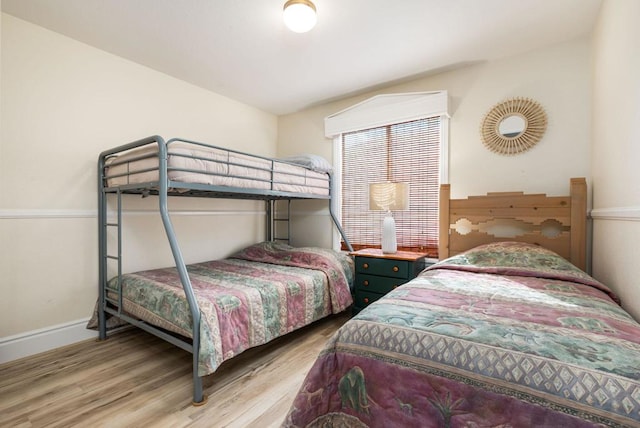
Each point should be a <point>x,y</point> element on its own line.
<point>389,242</point>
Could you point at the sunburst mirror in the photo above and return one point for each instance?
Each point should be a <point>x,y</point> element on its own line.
<point>513,126</point>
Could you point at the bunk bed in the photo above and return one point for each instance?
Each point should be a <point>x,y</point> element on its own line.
<point>503,332</point>
<point>216,309</point>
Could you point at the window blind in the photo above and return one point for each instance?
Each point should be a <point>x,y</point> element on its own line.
<point>406,152</point>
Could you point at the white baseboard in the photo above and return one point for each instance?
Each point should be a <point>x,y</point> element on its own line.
<point>37,341</point>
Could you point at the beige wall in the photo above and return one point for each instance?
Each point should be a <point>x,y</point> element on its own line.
<point>64,102</point>
<point>558,77</point>
<point>616,150</point>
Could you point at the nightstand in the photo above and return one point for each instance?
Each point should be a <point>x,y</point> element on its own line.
<point>378,273</point>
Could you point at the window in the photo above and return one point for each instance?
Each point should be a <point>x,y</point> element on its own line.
<point>407,152</point>
<point>397,138</point>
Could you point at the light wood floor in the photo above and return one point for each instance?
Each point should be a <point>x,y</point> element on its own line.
<point>134,379</point>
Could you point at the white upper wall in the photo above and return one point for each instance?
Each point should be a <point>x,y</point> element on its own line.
<point>616,150</point>
<point>67,101</point>
<point>616,105</point>
<point>557,77</point>
<point>64,102</point>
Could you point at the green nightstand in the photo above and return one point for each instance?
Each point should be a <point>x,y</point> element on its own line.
<point>378,273</point>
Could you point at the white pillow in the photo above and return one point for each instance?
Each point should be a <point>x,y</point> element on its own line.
<point>313,162</point>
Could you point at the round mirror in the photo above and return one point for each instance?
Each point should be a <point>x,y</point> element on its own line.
<point>513,126</point>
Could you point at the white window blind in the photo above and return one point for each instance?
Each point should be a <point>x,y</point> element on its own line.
<point>407,152</point>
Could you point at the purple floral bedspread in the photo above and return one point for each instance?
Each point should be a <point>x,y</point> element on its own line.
<point>256,295</point>
<point>505,335</point>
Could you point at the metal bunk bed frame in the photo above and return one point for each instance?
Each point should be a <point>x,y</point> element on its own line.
<point>164,188</point>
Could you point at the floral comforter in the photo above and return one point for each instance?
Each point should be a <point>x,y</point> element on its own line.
<point>258,294</point>
<point>505,335</point>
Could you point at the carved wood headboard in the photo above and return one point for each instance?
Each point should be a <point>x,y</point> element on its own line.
<point>554,222</point>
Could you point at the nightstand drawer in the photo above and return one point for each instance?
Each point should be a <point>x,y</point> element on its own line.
<point>377,284</point>
<point>384,267</point>
<point>364,298</point>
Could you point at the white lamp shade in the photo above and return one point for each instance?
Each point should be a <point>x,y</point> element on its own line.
<point>388,196</point>
<point>300,15</point>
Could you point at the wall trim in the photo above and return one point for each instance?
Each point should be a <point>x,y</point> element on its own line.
<point>188,212</point>
<point>618,213</point>
<point>43,213</point>
<point>44,339</point>
<point>66,214</point>
<point>295,213</point>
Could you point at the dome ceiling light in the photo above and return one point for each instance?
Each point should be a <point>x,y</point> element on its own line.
<point>299,15</point>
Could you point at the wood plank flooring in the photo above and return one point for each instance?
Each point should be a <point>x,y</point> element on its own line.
<point>134,379</point>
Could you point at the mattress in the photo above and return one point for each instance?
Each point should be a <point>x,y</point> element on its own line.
<point>202,164</point>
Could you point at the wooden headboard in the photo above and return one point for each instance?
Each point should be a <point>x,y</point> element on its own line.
<point>554,222</point>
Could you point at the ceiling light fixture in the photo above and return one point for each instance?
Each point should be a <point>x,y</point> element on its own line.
<point>300,15</point>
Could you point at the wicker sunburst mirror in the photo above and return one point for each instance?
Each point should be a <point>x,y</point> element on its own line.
<point>513,126</point>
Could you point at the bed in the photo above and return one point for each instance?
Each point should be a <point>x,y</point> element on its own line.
<point>507,333</point>
<point>216,309</point>
<point>254,296</point>
<point>198,165</point>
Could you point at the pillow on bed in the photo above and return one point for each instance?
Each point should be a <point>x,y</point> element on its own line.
<point>266,246</point>
<point>519,259</point>
<point>313,162</point>
<point>512,254</point>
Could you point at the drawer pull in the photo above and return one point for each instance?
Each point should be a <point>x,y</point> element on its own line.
<point>365,283</point>
<point>396,268</point>
<point>365,265</point>
<point>366,300</point>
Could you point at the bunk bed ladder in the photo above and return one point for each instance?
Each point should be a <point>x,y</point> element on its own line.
<point>106,293</point>
<point>275,218</point>
<point>117,258</point>
<point>283,218</point>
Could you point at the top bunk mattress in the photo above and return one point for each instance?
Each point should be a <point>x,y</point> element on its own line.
<point>197,163</point>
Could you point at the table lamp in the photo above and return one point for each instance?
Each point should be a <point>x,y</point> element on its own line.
<point>389,197</point>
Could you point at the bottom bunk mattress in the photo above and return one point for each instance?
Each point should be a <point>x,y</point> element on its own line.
<point>505,335</point>
<point>258,294</point>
